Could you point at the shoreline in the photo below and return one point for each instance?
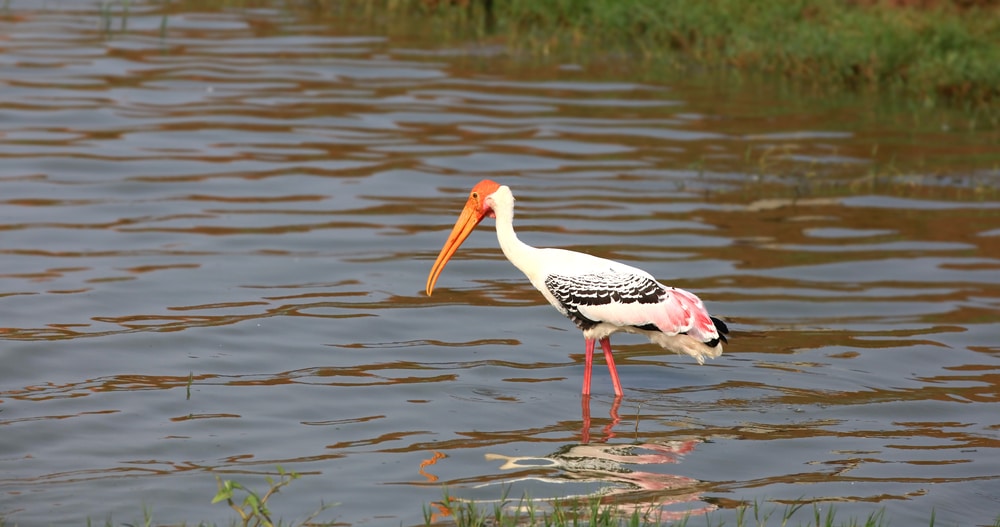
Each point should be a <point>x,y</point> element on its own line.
<point>937,53</point>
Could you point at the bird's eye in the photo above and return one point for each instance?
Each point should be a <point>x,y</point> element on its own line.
<point>475,195</point>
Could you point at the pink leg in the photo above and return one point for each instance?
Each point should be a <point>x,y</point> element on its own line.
<point>606,346</point>
<point>608,429</point>
<point>585,414</point>
<point>588,366</point>
<point>609,432</point>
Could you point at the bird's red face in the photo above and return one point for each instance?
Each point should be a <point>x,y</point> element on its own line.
<point>475,210</point>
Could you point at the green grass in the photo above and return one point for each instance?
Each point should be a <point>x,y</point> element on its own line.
<point>941,53</point>
<point>252,510</point>
<point>936,54</point>
<point>592,513</point>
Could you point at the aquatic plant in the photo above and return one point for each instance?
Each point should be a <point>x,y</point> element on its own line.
<point>592,513</point>
<point>253,510</point>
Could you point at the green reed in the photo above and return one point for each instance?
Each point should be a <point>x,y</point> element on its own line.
<point>592,513</point>
<point>253,509</point>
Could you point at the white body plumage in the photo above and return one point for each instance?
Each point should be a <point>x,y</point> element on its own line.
<point>600,296</point>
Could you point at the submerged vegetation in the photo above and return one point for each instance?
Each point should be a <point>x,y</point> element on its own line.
<point>934,50</point>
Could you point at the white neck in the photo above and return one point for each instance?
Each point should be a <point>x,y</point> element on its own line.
<point>519,253</point>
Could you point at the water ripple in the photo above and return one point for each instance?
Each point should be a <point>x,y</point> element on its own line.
<point>215,230</point>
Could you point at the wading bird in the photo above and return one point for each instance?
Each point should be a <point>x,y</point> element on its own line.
<point>600,296</point>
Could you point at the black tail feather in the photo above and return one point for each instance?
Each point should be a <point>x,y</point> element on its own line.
<point>722,328</point>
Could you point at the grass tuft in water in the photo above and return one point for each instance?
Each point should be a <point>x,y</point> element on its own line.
<point>253,510</point>
<point>592,513</point>
<point>107,14</point>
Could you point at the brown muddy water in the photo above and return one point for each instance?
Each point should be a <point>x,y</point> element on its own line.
<point>251,199</point>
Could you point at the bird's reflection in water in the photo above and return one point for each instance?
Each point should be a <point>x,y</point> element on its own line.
<point>609,429</point>
<point>629,476</point>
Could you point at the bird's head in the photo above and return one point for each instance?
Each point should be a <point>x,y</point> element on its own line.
<point>479,205</point>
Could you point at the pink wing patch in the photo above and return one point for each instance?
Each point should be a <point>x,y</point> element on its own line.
<point>678,311</point>
<point>700,324</point>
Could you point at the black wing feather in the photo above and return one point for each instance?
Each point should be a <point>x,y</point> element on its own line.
<point>600,289</point>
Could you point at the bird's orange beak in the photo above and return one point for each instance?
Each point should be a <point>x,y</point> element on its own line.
<point>471,215</point>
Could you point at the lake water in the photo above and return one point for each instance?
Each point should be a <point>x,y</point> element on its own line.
<point>216,227</point>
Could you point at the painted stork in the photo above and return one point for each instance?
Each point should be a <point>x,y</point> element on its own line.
<point>600,296</point>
